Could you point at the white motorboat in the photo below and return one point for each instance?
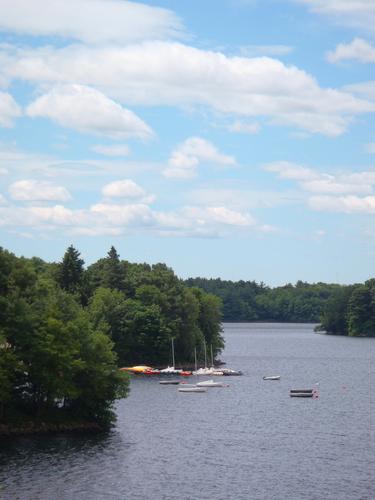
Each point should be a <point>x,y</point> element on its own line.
<point>192,389</point>
<point>229,372</point>
<point>271,377</point>
<point>211,383</point>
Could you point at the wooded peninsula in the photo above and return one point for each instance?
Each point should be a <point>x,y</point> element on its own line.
<point>65,329</point>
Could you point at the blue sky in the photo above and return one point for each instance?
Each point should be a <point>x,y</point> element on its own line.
<point>226,138</point>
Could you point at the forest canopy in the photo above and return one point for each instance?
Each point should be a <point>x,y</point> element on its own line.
<point>66,329</point>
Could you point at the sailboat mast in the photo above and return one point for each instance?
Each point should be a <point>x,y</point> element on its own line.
<point>205,355</point>
<point>212,357</point>
<point>195,358</point>
<point>172,353</point>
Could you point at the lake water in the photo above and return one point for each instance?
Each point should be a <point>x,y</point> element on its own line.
<point>247,441</point>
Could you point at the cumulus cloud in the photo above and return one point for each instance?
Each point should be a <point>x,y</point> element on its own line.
<point>293,171</point>
<point>314,181</point>
<point>91,21</point>
<point>329,184</point>
<point>185,159</point>
<point>31,190</point>
<point>116,219</point>
<point>359,13</point>
<point>344,204</point>
<point>9,110</point>
<point>123,189</point>
<point>152,74</point>
<point>112,150</point>
<point>358,50</point>
<point>220,215</point>
<point>89,111</point>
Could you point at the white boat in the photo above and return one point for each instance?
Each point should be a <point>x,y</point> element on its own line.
<point>171,370</point>
<point>211,383</point>
<point>271,377</point>
<point>192,389</point>
<point>229,372</point>
<point>206,370</point>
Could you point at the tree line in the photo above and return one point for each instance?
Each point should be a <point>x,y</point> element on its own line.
<point>66,329</point>
<point>351,311</point>
<point>252,301</point>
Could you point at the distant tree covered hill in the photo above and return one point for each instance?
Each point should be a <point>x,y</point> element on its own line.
<point>251,301</point>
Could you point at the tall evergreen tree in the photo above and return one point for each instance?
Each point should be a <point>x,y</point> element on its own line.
<point>70,270</point>
<point>114,276</point>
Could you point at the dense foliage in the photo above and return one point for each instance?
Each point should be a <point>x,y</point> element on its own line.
<point>250,301</point>
<point>351,311</point>
<point>65,330</point>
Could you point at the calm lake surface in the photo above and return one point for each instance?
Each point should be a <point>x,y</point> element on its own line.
<point>247,441</point>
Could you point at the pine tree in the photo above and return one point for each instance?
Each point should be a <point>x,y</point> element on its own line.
<point>70,270</point>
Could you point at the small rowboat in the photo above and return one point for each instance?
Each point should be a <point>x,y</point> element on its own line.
<point>271,377</point>
<point>169,382</point>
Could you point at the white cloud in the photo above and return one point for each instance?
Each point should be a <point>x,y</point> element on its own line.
<point>31,190</point>
<point>244,128</point>
<point>88,110</point>
<point>124,215</point>
<point>218,215</point>
<point>112,150</point>
<point>344,204</point>
<point>363,89</point>
<point>2,200</point>
<point>241,198</point>
<point>123,189</point>
<point>293,171</point>
<point>329,184</point>
<point>193,151</point>
<point>91,21</point>
<point>116,219</point>
<point>358,49</point>
<point>9,110</point>
<point>152,74</point>
<point>317,182</point>
<point>4,171</point>
<point>358,13</point>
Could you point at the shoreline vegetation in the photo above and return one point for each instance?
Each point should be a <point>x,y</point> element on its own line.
<point>336,309</point>
<point>65,330</point>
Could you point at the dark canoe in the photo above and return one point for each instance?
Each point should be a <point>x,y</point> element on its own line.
<point>302,390</point>
<point>301,394</point>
